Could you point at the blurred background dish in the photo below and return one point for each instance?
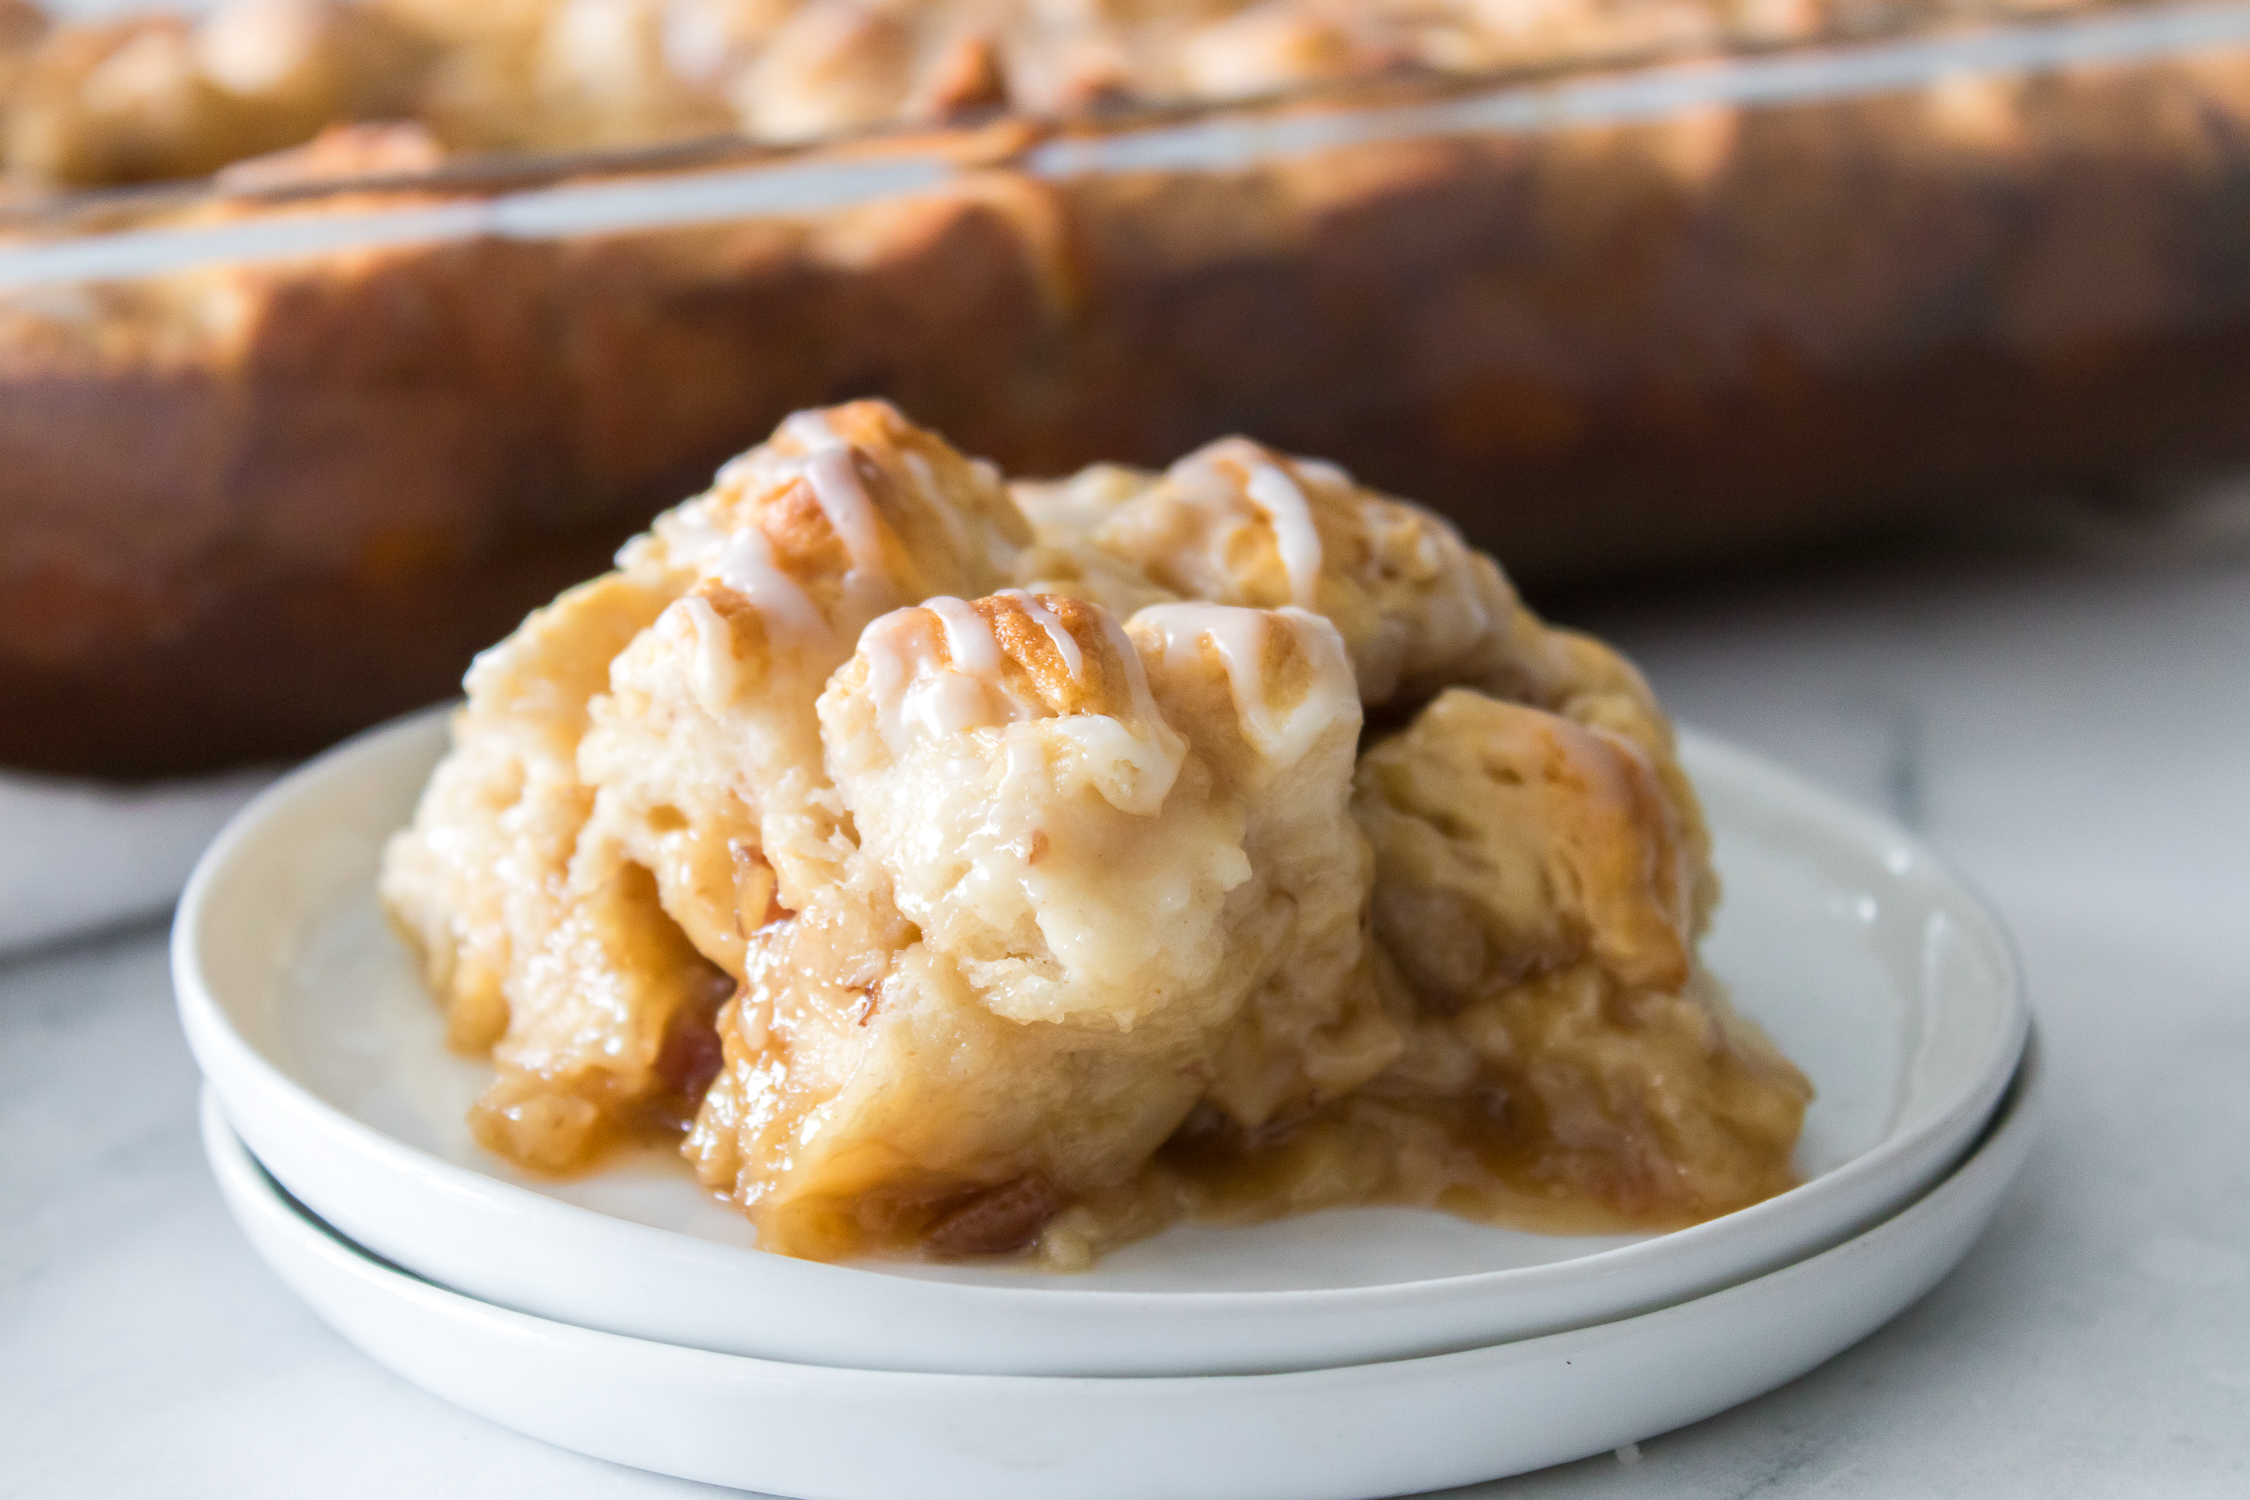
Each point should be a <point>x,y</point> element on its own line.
<point>77,856</point>
<point>105,95</point>
<point>1657,287</point>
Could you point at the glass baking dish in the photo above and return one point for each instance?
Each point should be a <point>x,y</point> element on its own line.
<point>278,453</point>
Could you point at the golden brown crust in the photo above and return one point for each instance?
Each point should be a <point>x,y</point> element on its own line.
<point>1538,895</point>
<point>567,910</point>
<point>1511,842</point>
<point>1042,928</point>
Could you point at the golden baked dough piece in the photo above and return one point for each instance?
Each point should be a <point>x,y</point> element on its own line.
<point>1514,841</point>
<point>1418,608</point>
<point>602,77</point>
<point>154,96</point>
<point>22,24</point>
<point>1561,1062</point>
<point>1088,862</point>
<point>833,67</point>
<point>583,866</point>
<point>547,75</point>
<point>1536,890</point>
<point>1239,523</point>
<point>1046,929</point>
<point>1258,691</point>
<point>563,967</point>
<point>119,102</point>
<point>706,750</point>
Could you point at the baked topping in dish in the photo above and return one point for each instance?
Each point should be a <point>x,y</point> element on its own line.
<point>153,95</point>
<point>967,870</point>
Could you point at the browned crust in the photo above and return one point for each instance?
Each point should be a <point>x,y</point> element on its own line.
<point>238,533</point>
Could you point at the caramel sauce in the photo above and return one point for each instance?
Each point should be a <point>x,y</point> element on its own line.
<point>1545,1155</point>
<point>1649,1114</point>
<point>1490,1154</point>
<point>1592,1111</point>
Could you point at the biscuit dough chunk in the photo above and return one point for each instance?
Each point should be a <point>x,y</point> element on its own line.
<point>956,869</point>
<point>706,750</point>
<point>1419,610</point>
<point>564,969</point>
<point>1536,899</point>
<point>1238,523</point>
<point>1088,860</point>
<point>585,863</point>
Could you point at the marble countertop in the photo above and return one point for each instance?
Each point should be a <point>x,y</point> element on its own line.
<point>2076,736</point>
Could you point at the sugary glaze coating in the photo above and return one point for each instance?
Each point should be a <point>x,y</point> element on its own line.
<point>622,758</point>
<point>1047,888</point>
<point>1079,879</point>
<point>705,748</point>
<point>1419,610</point>
<point>1238,523</point>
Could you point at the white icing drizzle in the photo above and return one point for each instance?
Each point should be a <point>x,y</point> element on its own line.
<point>716,670</point>
<point>891,656</point>
<point>944,704</point>
<point>811,429</point>
<point>968,636</point>
<point>1274,492</point>
<point>1058,634</point>
<point>1136,679</point>
<point>691,538</point>
<point>1134,772</point>
<point>829,470</point>
<point>747,567</point>
<point>1240,638</point>
<point>834,478</point>
<point>914,697</point>
<point>1321,471</point>
<point>1132,764</point>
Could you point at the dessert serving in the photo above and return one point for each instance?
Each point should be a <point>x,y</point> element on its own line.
<point>958,868</point>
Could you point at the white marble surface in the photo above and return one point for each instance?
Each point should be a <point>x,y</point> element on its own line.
<point>2077,737</point>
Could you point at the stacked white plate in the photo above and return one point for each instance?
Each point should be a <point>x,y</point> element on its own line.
<point>1345,1354</point>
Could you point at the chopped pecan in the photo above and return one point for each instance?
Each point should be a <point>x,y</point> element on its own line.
<point>995,1220</point>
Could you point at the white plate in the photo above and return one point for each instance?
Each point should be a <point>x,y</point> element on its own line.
<point>1338,1434</point>
<point>1869,963</point>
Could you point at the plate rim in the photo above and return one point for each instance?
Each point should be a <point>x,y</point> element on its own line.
<point>214,1040</point>
<point>1853,1289</point>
